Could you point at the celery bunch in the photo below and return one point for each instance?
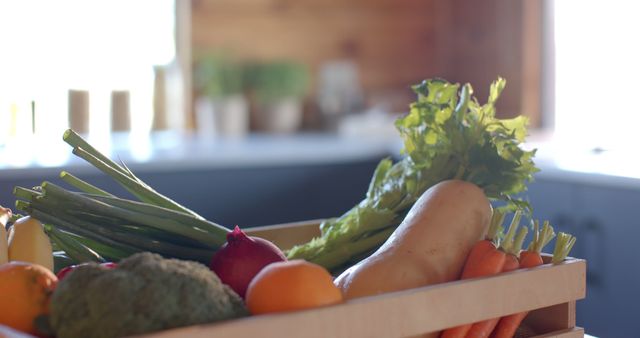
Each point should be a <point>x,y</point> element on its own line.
<point>447,134</point>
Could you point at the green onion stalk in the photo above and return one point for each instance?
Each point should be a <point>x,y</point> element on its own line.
<point>91,224</point>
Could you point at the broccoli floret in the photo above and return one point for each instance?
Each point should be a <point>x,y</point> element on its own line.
<point>145,293</point>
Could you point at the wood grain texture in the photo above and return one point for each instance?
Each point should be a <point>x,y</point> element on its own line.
<point>416,311</point>
<point>553,318</point>
<point>390,41</point>
<point>576,332</point>
<point>532,47</point>
<point>287,235</point>
<point>484,42</point>
<point>394,43</point>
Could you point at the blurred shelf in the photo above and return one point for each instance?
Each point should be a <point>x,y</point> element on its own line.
<point>166,152</point>
<point>169,151</point>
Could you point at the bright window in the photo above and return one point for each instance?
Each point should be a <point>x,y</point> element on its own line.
<point>597,66</point>
<point>50,47</point>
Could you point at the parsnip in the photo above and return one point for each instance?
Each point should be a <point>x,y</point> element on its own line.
<point>29,243</point>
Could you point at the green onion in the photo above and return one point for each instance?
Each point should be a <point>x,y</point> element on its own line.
<point>82,185</point>
<point>93,223</point>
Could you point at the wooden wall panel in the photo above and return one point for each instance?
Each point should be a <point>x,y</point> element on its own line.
<point>394,43</point>
<point>391,42</point>
<point>483,40</point>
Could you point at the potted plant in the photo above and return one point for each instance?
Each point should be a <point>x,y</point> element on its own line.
<point>278,90</point>
<point>221,107</point>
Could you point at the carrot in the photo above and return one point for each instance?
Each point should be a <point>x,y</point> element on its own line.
<point>512,249</point>
<point>541,237</point>
<point>530,258</point>
<point>486,245</point>
<point>484,259</point>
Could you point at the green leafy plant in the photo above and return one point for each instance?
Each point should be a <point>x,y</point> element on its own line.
<point>277,80</point>
<point>217,76</point>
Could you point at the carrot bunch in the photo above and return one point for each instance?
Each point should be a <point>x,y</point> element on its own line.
<point>509,248</point>
<point>494,255</point>
<point>489,257</point>
<point>529,258</point>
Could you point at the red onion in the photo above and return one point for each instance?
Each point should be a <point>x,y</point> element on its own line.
<point>241,258</point>
<point>65,271</point>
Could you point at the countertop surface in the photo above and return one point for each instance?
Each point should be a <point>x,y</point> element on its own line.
<point>573,162</point>
<point>169,152</point>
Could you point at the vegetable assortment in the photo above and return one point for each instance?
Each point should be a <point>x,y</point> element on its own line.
<point>425,220</point>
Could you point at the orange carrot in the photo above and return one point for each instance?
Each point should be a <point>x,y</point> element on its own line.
<point>486,245</point>
<point>512,249</point>
<point>529,259</point>
<point>508,325</point>
<point>484,259</point>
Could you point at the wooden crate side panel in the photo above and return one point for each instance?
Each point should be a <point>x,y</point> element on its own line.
<point>205,332</point>
<point>553,318</point>
<point>415,311</point>
<point>287,235</point>
<point>576,332</point>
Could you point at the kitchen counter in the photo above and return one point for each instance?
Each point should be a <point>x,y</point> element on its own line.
<point>570,162</point>
<point>166,152</point>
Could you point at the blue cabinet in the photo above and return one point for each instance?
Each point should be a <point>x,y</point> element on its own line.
<point>240,195</point>
<point>603,218</point>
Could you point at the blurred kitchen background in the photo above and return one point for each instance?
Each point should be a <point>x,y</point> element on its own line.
<point>269,111</point>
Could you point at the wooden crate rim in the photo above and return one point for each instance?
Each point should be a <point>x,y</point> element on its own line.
<point>316,222</point>
<point>447,304</point>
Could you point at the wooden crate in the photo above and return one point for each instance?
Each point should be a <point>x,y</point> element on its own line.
<point>549,290</point>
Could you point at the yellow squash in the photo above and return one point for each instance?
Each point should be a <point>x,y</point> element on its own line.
<point>29,243</point>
